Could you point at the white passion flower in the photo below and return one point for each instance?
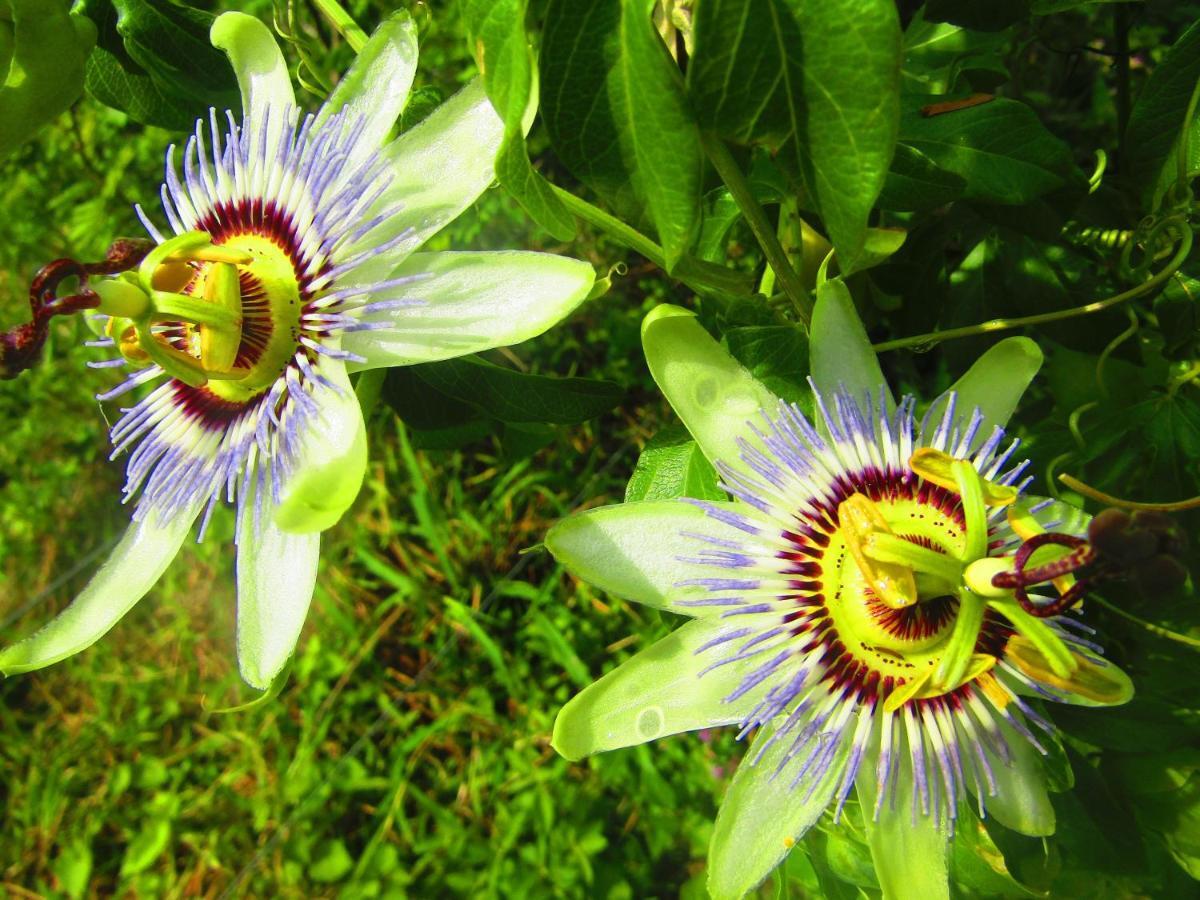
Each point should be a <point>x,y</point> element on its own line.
<point>847,605</point>
<point>288,264</point>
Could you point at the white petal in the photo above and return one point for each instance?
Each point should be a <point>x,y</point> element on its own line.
<point>641,551</point>
<point>136,563</point>
<point>841,353</point>
<point>261,71</point>
<point>376,87</point>
<point>471,302</point>
<point>438,169</point>
<point>763,814</point>
<point>660,691</point>
<point>718,400</point>
<point>276,574</point>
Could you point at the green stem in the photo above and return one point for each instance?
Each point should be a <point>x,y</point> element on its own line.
<point>343,22</point>
<point>695,273</point>
<point>739,188</point>
<point>1149,626</point>
<point>368,387</point>
<point>1181,254</point>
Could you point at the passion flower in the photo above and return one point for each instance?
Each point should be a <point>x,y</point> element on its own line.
<point>848,605</point>
<point>288,263</point>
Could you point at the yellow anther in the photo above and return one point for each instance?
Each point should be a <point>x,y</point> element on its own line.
<point>893,583</point>
<point>925,686</point>
<point>212,253</point>
<point>1102,685</point>
<point>938,467</point>
<point>991,688</point>
<point>907,691</point>
<point>125,334</point>
<point>172,277</point>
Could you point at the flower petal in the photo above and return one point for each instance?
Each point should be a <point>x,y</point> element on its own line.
<point>840,350</point>
<point>261,71</point>
<point>442,165</point>
<point>763,816</point>
<point>276,573</point>
<point>910,851</point>
<point>471,302</point>
<point>1021,801</point>
<point>376,87</point>
<point>640,551</point>
<point>331,460</point>
<point>994,383</point>
<point>659,691</point>
<point>716,398</point>
<point>136,563</point>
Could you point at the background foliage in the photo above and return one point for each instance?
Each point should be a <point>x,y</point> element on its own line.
<point>948,152</point>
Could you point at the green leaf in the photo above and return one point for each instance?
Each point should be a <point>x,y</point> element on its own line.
<point>512,396</point>
<point>420,406</point>
<point>1157,119</point>
<point>977,863</point>
<point>672,465</point>
<point>153,60</point>
<point>615,110</point>
<point>42,56</point>
<point>506,60</point>
<point>817,81</point>
<point>916,184</point>
<point>1000,147</point>
<point>147,845</point>
<point>938,54</point>
<point>1150,450</point>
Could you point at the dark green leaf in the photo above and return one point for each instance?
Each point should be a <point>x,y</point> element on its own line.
<point>422,406</point>
<point>171,43</point>
<point>777,355</point>
<point>421,103</point>
<point>916,184</point>
<point>1157,118</point>
<point>512,396</point>
<point>1005,154</point>
<point>1150,450</point>
<point>1178,312</point>
<point>977,863</point>
<point>673,466</point>
<point>498,32</point>
<point>153,60</point>
<point>614,106</point>
<point>819,81</point>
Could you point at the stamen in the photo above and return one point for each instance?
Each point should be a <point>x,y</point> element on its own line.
<point>893,583</point>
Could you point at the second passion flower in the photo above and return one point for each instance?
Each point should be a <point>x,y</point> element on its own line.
<point>844,604</point>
